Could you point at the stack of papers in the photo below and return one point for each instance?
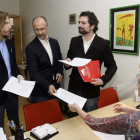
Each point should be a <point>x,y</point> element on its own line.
<point>24,88</point>
<point>70,98</point>
<point>105,136</point>
<point>2,135</point>
<point>43,130</point>
<point>76,62</point>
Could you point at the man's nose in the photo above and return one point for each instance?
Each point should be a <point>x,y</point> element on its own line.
<point>79,25</point>
<point>10,26</point>
<point>39,31</point>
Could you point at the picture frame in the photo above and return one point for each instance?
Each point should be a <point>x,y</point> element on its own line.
<point>72,18</point>
<point>124,29</point>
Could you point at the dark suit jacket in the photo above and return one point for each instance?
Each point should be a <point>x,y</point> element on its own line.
<point>3,70</point>
<point>98,50</point>
<point>40,68</point>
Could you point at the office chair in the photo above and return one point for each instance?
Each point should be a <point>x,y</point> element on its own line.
<point>43,112</point>
<point>107,96</point>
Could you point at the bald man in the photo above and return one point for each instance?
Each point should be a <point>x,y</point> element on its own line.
<point>42,56</point>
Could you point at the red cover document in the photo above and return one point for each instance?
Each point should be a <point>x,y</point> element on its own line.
<point>91,70</point>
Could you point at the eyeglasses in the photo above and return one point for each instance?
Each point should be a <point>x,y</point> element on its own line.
<point>41,29</point>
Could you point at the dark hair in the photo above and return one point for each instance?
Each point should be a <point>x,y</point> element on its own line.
<point>92,19</point>
<point>40,17</point>
<point>3,17</point>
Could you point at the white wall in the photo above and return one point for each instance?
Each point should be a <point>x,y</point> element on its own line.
<point>10,6</point>
<point>57,13</point>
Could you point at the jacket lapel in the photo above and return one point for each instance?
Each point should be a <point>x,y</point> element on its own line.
<point>81,45</point>
<point>43,49</point>
<point>1,58</point>
<point>93,44</point>
<point>9,50</point>
<point>53,49</point>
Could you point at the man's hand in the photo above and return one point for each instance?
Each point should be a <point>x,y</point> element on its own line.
<point>19,77</point>
<point>97,82</point>
<point>59,78</point>
<point>69,60</point>
<point>52,90</point>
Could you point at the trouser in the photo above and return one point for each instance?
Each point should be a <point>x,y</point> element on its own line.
<point>11,106</point>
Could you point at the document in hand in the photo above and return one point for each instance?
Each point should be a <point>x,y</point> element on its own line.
<point>70,98</point>
<point>43,130</point>
<point>90,70</point>
<point>2,135</point>
<point>76,62</point>
<point>24,88</point>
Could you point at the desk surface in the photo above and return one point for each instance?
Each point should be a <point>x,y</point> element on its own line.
<point>76,129</point>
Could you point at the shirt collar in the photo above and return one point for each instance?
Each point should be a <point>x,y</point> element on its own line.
<point>43,41</point>
<point>90,40</point>
<point>3,40</point>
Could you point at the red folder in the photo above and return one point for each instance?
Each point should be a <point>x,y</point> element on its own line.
<point>89,71</point>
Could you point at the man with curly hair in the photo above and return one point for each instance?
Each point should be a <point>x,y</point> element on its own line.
<point>90,46</point>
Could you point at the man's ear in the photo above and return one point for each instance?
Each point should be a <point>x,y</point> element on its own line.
<point>92,27</point>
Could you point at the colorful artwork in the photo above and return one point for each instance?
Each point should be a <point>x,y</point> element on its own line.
<point>125,26</point>
<point>124,29</point>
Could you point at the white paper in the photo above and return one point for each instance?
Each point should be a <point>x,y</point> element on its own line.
<point>24,88</point>
<point>76,62</point>
<point>136,96</point>
<point>2,135</point>
<point>70,98</point>
<point>126,84</point>
<point>105,136</point>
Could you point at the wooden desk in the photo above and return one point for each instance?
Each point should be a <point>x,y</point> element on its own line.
<point>76,129</point>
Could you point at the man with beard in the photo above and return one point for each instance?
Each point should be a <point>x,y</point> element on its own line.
<point>93,47</point>
<point>8,68</point>
<point>42,56</point>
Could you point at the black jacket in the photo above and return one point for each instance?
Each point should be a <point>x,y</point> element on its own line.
<point>98,50</point>
<point>40,68</point>
<point>3,70</point>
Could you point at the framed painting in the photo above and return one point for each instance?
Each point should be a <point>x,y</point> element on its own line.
<point>72,18</point>
<point>124,29</point>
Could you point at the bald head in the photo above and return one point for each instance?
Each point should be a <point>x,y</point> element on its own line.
<point>39,19</point>
<point>40,27</point>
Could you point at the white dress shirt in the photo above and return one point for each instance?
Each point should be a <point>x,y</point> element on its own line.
<point>47,47</point>
<point>87,44</point>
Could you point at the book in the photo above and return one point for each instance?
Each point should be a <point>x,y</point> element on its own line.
<point>45,138</point>
<point>90,70</point>
<point>43,130</point>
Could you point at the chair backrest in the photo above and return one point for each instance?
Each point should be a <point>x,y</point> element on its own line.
<point>107,96</point>
<point>43,112</point>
